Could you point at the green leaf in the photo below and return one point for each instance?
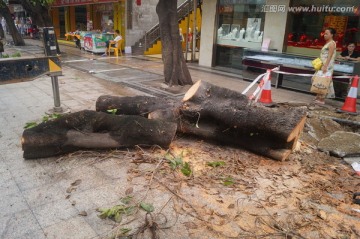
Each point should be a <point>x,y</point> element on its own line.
<point>186,170</point>
<point>147,207</point>
<point>129,210</point>
<point>228,181</point>
<point>45,118</point>
<point>112,111</point>
<point>104,213</point>
<point>215,164</point>
<point>126,200</point>
<point>30,125</point>
<point>125,230</point>
<point>118,217</point>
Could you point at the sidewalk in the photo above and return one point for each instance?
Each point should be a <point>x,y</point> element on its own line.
<point>47,198</point>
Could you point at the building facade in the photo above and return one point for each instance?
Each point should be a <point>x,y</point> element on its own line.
<point>285,26</point>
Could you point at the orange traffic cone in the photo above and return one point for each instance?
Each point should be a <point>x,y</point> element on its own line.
<point>265,97</point>
<point>350,101</point>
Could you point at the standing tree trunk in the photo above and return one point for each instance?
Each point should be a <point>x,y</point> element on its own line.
<point>175,68</point>
<point>5,12</point>
<point>39,13</point>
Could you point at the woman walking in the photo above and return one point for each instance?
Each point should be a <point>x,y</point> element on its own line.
<point>327,56</point>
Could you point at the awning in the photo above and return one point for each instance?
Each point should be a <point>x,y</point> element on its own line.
<point>63,3</point>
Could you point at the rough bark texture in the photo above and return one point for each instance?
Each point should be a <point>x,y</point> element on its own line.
<point>5,12</point>
<point>175,68</point>
<point>96,130</point>
<point>209,129</point>
<point>226,116</point>
<point>137,105</point>
<point>233,109</point>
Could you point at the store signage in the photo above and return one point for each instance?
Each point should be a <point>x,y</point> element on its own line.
<point>61,3</point>
<point>18,8</point>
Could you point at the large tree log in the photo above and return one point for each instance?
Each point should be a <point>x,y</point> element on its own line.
<point>227,117</point>
<point>96,130</point>
<point>137,105</point>
<point>205,100</point>
<point>270,147</point>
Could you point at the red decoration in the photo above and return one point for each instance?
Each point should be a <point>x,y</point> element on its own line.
<point>138,2</point>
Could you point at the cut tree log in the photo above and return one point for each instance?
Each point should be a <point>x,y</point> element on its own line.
<point>270,147</point>
<point>94,130</point>
<point>227,117</point>
<point>137,105</point>
<point>205,100</point>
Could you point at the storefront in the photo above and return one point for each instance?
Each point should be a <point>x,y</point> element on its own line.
<point>307,22</point>
<point>88,15</point>
<point>284,26</point>
<point>250,36</point>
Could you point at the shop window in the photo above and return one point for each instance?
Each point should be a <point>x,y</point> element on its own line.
<point>309,19</point>
<point>240,25</point>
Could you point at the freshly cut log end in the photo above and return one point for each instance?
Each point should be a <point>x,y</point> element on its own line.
<point>94,130</point>
<point>193,89</point>
<point>298,128</point>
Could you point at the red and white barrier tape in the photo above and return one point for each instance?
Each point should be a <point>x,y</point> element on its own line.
<point>265,76</point>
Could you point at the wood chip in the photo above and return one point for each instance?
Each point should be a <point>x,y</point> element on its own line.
<point>77,182</point>
<point>83,213</point>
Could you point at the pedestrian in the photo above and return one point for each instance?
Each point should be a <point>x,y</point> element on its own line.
<point>350,54</point>
<point>327,56</point>
<point>117,38</point>
<point>1,47</point>
<point>4,26</point>
<point>189,38</point>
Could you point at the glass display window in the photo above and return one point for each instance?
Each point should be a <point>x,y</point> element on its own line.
<point>309,19</point>
<point>240,23</point>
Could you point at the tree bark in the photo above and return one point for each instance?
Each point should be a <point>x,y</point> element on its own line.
<point>39,13</point>
<point>176,71</point>
<point>204,100</point>
<point>96,130</point>
<point>137,105</point>
<point>209,129</point>
<point>5,12</point>
<point>226,116</point>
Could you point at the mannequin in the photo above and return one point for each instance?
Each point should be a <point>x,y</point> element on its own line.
<point>248,33</point>
<point>256,35</point>
<point>234,33</point>
<point>220,32</point>
<point>260,37</point>
<point>241,35</point>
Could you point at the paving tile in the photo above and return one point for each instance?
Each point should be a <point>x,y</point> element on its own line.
<point>100,226</point>
<point>73,228</point>
<point>31,177</point>
<point>12,203</point>
<point>7,183</point>
<point>44,194</point>
<point>21,224</point>
<point>114,168</point>
<point>54,212</point>
<point>103,196</point>
<point>90,177</point>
